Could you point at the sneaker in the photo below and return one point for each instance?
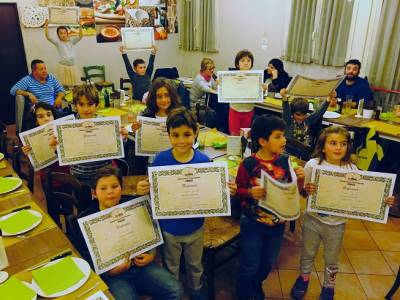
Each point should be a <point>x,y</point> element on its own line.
<point>327,293</point>
<point>300,288</point>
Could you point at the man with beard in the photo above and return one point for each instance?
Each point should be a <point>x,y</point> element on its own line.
<point>354,87</point>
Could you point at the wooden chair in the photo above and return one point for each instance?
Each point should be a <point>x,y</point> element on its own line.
<point>219,233</point>
<point>298,149</point>
<point>170,73</point>
<point>125,84</point>
<point>97,74</point>
<point>122,165</point>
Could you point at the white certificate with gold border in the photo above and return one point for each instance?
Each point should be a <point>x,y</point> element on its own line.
<point>353,194</point>
<point>63,15</point>
<point>115,233</point>
<point>88,140</point>
<point>192,190</point>
<point>137,38</point>
<point>42,155</point>
<point>240,86</point>
<point>301,86</point>
<point>283,199</point>
<point>152,137</point>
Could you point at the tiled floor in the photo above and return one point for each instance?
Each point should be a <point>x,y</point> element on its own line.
<point>369,261</point>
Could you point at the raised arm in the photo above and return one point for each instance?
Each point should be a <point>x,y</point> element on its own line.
<point>128,66</point>
<point>46,32</point>
<point>150,65</point>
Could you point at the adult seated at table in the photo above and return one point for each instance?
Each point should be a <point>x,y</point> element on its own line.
<point>275,76</point>
<point>40,86</point>
<point>354,87</point>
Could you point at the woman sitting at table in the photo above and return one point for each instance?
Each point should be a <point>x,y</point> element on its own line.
<point>275,76</point>
<point>204,82</point>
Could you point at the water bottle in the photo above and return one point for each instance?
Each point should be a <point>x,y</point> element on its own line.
<point>106,99</point>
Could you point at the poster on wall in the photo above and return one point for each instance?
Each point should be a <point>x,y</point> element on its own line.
<point>172,16</point>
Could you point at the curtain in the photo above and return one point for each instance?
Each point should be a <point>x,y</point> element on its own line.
<point>299,43</point>
<point>207,26</point>
<point>187,36</point>
<point>385,62</point>
<point>333,32</point>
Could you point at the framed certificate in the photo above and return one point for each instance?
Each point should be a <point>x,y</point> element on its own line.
<point>41,155</point>
<point>120,231</point>
<point>63,15</point>
<point>283,199</point>
<point>234,145</point>
<point>352,194</point>
<point>137,38</point>
<point>88,140</point>
<point>301,86</point>
<point>152,137</point>
<point>241,86</point>
<point>192,190</point>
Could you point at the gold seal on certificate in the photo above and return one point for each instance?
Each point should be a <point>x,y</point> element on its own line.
<point>152,137</point>
<point>88,140</point>
<point>137,38</point>
<point>67,15</point>
<point>283,199</point>
<point>192,190</point>
<point>353,194</point>
<point>120,231</point>
<point>240,86</point>
<point>301,86</point>
<point>41,155</point>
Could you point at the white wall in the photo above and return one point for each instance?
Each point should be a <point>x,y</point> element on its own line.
<point>242,24</point>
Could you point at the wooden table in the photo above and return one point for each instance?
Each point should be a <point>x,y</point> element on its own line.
<point>389,130</point>
<point>40,244</point>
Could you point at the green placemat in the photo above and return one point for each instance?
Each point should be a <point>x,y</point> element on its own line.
<point>58,277</point>
<point>18,222</point>
<point>8,183</point>
<point>15,289</point>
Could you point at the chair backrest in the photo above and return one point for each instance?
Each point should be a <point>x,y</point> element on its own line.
<point>171,73</point>
<point>122,166</point>
<point>298,149</point>
<point>125,84</point>
<point>98,73</point>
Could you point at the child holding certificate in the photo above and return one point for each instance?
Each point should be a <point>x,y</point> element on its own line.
<point>261,232</point>
<point>241,114</point>
<point>68,73</point>
<point>139,274</point>
<point>333,149</point>
<point>183,234</point>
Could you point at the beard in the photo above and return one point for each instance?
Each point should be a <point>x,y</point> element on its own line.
<point>351,77</point>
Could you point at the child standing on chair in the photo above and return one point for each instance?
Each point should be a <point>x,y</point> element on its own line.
<point>261,232</point>
<point>332,149</point>
<point>241,114</point>
<point>68,73</point>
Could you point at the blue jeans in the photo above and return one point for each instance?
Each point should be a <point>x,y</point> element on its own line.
<point>150,280</point>
<point>259,249</point>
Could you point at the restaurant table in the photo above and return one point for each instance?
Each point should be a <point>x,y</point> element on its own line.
<point>39,244</point>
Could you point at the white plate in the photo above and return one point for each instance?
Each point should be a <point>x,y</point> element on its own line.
<point>32,288</point>
<point>17,180</point>
<point>278,96</point>
<point>33,212</point>
<point>331,115</point>
<point>1,156</point>
<point>126,98</point>
<point>82,265</point>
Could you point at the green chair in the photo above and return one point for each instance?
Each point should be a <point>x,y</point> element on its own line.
<point>97,74</point>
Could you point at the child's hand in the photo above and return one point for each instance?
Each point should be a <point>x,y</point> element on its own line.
<point>143,187</point>
<point>53,142</point>
<point>26,150</point>
<point>154,49</point>
<point>121,268</point>
<point>283,92</point>
<point>232,188</point>
<point>391,200</point>
<point>274,73</point>
<point>136,126</point>
<point>122,49</point>
<point>310,188</point>
<point>299,172</point>
<point>264,86</point>
<point>257,192</point>
<point>143,260</point>
<point>123,132</point>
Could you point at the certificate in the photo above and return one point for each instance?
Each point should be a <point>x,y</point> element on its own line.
<point>88,140</point>
<point>351,193</point>
<point>152,137</point>
<point>137,38</point>
<point>301,86</point>
<point>120,231</point>
<point>283,199</point>
<point>234,145</point>
<point>240,86</point>
<point>41,155</point>
<point>66,15</point>
<point>192,190</point>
